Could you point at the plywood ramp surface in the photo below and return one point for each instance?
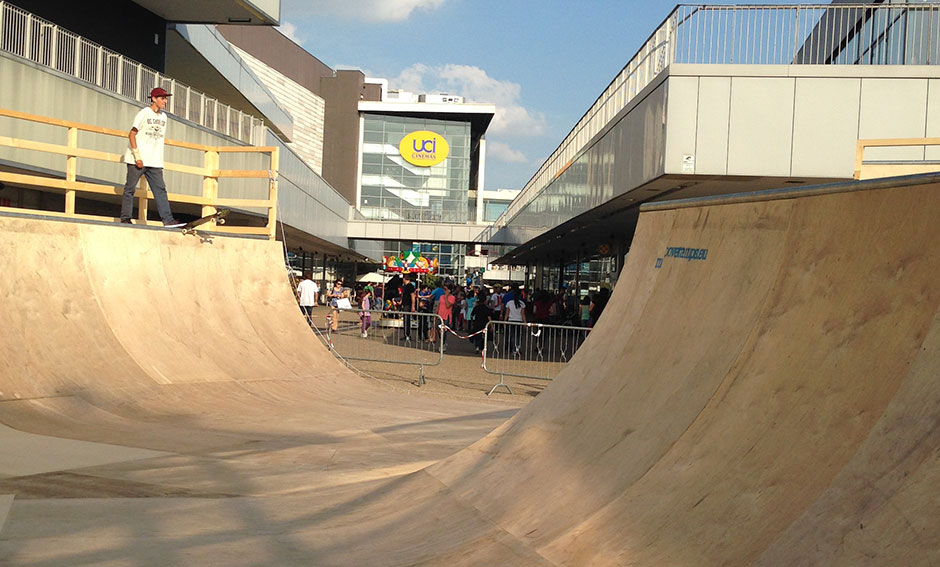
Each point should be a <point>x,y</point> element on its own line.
<point>774,402</point>
<point>763,388</point>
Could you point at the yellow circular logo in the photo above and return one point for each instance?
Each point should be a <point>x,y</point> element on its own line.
<point>424,148</point>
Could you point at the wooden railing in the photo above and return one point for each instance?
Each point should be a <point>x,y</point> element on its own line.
<point>210,200</point>
<point>893,167</point>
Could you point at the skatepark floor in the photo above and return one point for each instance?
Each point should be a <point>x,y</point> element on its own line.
<point>459,376</point>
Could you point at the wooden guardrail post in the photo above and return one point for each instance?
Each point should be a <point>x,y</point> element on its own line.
<point>272,192</point>
<point>859,157</point>
<point>143,199</point>
<point>71,170</point>
<point>210,182</point>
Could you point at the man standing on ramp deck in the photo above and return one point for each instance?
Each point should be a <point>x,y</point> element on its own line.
<point>144,156</point>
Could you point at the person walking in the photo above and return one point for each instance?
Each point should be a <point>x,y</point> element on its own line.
<point>365,317</point>
<point>471,303</point>
<point>514,310</point>
<point>460,311</point>
<point>585,311</point>
<point>144,156</point>
<point>409,302</point>
<point>336,294</point>
<point>480,315</point>
<point>424,306</point>
<point>445,309</point>
<point>307,292</point>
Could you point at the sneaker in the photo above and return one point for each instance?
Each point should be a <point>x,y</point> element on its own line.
<point>363,335</point>
<point>126,221</point>
<point>174,224</point>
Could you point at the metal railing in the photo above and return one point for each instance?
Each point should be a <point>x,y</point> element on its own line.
<point>209,174</point>
<point>529,350</point>
<point>42,42</point>
<point>391,336</point>
<point>849,34</point>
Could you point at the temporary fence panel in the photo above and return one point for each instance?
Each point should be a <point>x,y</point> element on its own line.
<point>529,350</point>
<point>392,336</point>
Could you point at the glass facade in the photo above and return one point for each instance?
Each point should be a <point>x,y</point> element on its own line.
<point>492,209</point>
<point>395,190</point>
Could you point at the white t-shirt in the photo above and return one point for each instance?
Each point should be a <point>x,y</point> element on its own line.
<point>308,290</point>
<point>494,301</point>
<point>514,310</point>
<point>151,132</point>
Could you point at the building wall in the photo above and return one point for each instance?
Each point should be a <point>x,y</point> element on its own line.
<point>341,130</point>
<point>278,52</point>
<point>741,122</point>
<point>306,108</point>
<point>629,152</point>
<point>306,201</point>
<point>795,121</point>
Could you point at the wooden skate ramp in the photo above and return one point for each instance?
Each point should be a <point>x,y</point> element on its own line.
<point>763,388</point>
<point>773,400</point>
<point>161,396</point>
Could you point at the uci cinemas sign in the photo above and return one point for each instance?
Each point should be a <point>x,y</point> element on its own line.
<point>424,148</point>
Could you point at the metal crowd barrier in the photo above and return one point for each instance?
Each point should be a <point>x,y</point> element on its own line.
<point>393,336</point>
<point>529,350</point>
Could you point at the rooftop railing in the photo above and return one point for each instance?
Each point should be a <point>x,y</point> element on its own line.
<point>44,43</point>
<point>830,34</point>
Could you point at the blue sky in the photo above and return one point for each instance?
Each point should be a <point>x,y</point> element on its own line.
<point>543,63</point>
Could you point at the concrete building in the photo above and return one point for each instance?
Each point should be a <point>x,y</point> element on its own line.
<point>725,99</point>
<point>351,129</point>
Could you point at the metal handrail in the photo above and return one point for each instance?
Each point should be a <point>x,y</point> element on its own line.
<point>809,34</point>
<point>40,41</point>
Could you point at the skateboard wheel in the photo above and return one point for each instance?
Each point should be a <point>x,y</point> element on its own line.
<point>221,221</point>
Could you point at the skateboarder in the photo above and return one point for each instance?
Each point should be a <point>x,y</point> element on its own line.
<point>144,156</point>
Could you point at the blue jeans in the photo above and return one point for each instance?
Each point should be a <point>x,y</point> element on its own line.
<point>157,187</point>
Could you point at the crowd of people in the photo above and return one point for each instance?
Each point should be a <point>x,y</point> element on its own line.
<point>466,306</point>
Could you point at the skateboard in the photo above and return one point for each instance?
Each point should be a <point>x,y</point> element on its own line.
<point>218,216</point>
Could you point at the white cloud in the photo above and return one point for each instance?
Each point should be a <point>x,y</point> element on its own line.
<point>370,10</point>
<point>504,152</point>
<point>511,119</point>
<point>289,31</point>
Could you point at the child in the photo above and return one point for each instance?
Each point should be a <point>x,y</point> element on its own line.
<point>365,318</point>
<point>585,311</point>
<point>461,311</point>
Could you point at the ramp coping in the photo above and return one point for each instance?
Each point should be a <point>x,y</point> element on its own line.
<point>77,220</point>
<point>796,192</point>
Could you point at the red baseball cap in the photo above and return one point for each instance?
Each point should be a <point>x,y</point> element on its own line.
<point>159,92</point>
